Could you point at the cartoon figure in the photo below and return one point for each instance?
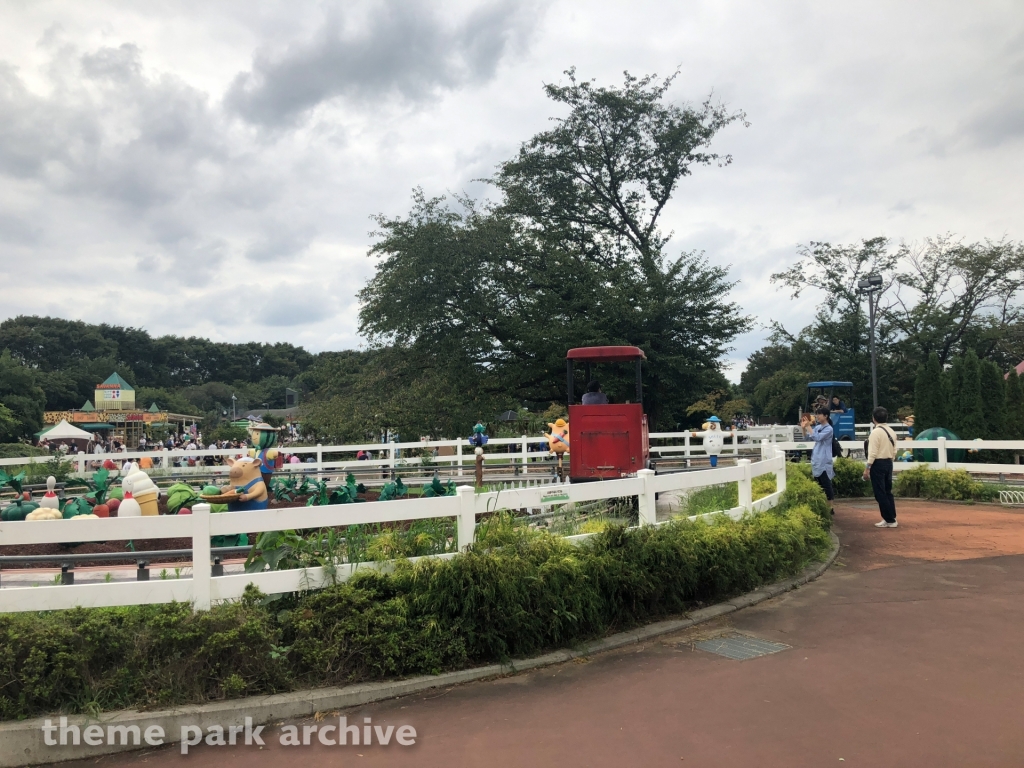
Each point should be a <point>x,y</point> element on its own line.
<point>478,439</point>
<point>558,439</point>
<point>909,424</point>
<point>247,479</point>
<point>713,439</point>
<point>264,448</point>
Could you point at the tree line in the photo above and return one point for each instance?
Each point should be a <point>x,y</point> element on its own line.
<point>945,297</point>
<point>55,364</point>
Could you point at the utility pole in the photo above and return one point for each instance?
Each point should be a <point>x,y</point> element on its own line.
<point>234,417</point>
<point>871,286</point>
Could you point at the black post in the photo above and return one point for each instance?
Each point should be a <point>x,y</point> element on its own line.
<point>67,574</point>
<point>569,382</point>
<point>143,572</point>
<point>874,371</point>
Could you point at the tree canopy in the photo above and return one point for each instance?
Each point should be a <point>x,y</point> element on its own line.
<point>487,298</point>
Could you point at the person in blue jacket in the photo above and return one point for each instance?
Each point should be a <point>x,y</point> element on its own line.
<point>822,469</point>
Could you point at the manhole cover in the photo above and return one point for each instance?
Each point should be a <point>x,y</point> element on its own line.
<point>739,646</point>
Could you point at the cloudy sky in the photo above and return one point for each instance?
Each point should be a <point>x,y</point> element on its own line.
<point>210,168</point>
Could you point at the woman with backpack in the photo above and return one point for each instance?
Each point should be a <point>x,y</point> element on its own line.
<point>822,469</point>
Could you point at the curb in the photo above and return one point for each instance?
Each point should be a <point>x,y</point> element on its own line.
<point>23,740</point>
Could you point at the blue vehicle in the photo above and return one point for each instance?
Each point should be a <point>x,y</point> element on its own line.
<point>843,424</point>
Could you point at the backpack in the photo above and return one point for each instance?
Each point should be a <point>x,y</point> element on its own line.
<point>837,449</point>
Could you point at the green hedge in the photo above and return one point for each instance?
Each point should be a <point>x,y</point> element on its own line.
<point>919,482</point>
<point>517,592</point>
<point>956,485</point>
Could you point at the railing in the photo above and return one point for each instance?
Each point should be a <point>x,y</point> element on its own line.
<point>203,589</point>
<point>398,455</point>
<point>942,447</point>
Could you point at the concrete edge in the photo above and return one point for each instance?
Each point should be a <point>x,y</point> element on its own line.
<point>23,740</point>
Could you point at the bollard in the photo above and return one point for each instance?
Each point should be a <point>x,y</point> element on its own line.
<point>67,573</point>
<point>143,573</point>
<point>218,568</point>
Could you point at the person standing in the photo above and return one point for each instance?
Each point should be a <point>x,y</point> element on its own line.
<point>881,453</point>
<point>822,468</point>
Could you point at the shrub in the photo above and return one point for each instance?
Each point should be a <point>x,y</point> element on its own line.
<point>801,490</point>
<point>955,485</point>
<point>516,591</point>
<point>849,478</point>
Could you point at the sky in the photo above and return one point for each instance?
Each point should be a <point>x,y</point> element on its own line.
<point>211,169</point>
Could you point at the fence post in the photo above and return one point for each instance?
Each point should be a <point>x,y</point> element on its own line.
<point>81,464</point>
<point>646,499</point>
<point>942,453</point>
<point>780,473</point>
<point>458,452</point>
<point>764,449</point>
<point>319,461</point>
<point>526,456</point>
<point>467,516</point>
<point>746,492</point>
<point>201,569</point>
<point>686,445</point>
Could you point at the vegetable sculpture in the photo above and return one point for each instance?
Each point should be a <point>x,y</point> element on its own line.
<point>21,508</point>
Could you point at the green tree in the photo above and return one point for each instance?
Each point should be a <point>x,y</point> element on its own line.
<point>965,408</point>
<point>929,397</point>
<point>993,393</point>
<point>571,255</point>
<point>1014,410</point>
<point>21,396</point>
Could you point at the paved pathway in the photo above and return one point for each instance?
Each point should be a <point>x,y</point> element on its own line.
<point>908,652</point>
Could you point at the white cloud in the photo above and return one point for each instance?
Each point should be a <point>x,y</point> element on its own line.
<point>211,169</point>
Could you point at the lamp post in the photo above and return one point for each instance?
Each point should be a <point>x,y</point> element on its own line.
<point>871,286</point>
<point>234,417</point>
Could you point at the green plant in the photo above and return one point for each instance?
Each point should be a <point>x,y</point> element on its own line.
<point>393,490</point>
<point>955,485</point>
<point>849,481</point>
<point>180,495</point>
<point>437,488</point>
<point>763,485</point>
<point>801,490</point>
<point>21,506</point>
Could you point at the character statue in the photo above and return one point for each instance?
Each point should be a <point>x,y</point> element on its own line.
<point>714,438</point>
<point>478,439</point>
<point>247,480</point>
<point>264,448</point>
<point>558,438</point>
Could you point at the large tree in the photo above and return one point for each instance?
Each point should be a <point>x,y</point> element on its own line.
<point>570,255</point>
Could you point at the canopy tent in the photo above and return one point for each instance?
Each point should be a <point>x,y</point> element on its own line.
<point>65,431</point>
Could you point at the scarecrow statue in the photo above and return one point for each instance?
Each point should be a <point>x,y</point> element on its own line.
<point>479,438</point>
<point>713,439</point>
<point>264,447</point>
<point>558,440</point>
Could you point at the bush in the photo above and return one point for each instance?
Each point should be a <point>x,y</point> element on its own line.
<point>955,485</point>
<point>516,592</point>
<point>849,480</point>
<point>801,490</point>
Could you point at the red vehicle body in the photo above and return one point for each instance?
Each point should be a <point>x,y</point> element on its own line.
<point>606,441</point>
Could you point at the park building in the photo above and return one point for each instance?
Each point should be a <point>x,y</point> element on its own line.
<point>114,413</point>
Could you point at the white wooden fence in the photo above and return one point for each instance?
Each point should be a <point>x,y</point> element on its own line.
<point>340,458</point>
<point>203,589</point>
<point>942,446</point>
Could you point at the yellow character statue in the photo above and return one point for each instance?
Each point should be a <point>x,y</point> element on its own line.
<point>558,441</point>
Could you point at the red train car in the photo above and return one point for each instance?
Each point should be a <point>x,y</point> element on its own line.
<point>606,441</point>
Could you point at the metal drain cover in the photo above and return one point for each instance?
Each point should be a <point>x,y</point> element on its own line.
<point>736,646</point>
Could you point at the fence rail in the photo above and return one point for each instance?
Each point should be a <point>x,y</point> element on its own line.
<point>203,589</point>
